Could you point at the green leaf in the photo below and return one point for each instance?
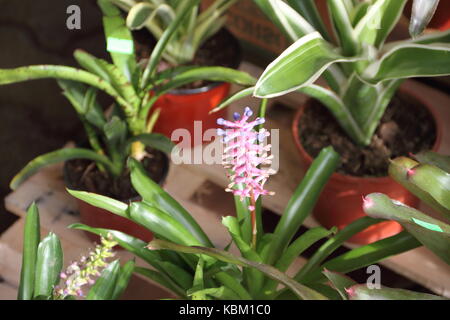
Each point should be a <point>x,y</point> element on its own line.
<point>152,193</point>
<point>234,284</point>
<point>162,280</point>
<point>410,60</point>
<point>103,202</point>
<point>343,27</point>
<point>434,180</point>
<point>233,98</point>
<point>221,293</point>
<point>362,292</point>
<point>183,10</point>
<point>379,20</point>
<point>300,290</point>
<point>49,263</point>
<point>115,28</point>
<point>115,131</point>
<point>298,66</point>
<point>123,279</point>
<point>368,254</point>
<point>57,72</point>
<point>143,13</point>
<point>339,282</point>
<point>55,157</point>
<point>129,243</point>
<point>292,24</point>
<point>435,159</point>
<point>104,287</point>
<point>301,244</point>
<point>432,233</point>
<point>31,238</point>
<point>253,277</point>
<point>302,202</point>
<point>399,170</point>
<point>113,75</point>
<point>308,10</point>
<point>331,245</point>
<point>160,223</point>
<point>154,140</point>
<point>422,13</point>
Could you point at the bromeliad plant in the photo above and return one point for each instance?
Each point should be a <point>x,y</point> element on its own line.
<point>157,15</point>
<point>427,177</point>
<point>134,87</point>
<point>41,276</point>
<point>185,261</point>
<point>362,73</point>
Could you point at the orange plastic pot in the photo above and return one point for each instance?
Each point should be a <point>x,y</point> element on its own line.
<point>341,201</point>
<point>181,108</point>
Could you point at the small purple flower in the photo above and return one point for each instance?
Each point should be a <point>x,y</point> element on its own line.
<point>245,156</point>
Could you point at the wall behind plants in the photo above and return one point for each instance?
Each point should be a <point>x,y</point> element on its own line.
<point>34,116</point>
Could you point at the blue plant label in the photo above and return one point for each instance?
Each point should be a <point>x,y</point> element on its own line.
<point>116,45</point>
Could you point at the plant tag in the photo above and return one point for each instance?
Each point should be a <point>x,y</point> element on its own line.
<point>120,45</point>
<point>429,226</point>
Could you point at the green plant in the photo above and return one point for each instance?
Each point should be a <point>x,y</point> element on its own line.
<point>134,87</point>
<point>427,177</point>
<point>42,262</point>
<point>185,261</point>
<point>195,29</point>
<point>362,73</point>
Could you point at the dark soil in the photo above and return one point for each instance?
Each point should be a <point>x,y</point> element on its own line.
<point>406,127</point>
<point>222,49</point>
<point>84,175</point>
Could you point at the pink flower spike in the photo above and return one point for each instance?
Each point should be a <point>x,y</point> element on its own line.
<point>244,156</point>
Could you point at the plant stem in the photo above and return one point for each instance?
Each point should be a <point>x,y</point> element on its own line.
<point>253,218</point>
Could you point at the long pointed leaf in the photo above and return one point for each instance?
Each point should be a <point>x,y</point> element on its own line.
<point>103,289</point>
<point>298,66</point>
<point>433,233</point>
<point>31,238</point>
<point>54,157</point>
<point>48,265</point>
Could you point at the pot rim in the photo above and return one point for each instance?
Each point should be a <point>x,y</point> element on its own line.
<point>166,167</point>
<point>186,92</point>
<point>356,179</point>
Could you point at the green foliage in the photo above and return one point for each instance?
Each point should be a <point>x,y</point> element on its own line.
<point>126,130</point>
<point>362,71</point>
<point>42,262</point>
<point>194,29</point>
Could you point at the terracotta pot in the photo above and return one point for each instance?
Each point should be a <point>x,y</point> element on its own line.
<point>100,218</point>
<point>341,201</point>
<point>181,108</point>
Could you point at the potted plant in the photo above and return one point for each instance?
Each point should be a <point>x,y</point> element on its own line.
<point>361,111</point>
<point>127,129</point>
<point>200,40</point>
<point>197,270</point>
<point>42,277</point>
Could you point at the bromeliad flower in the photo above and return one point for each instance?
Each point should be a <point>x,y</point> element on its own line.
<point>246,157</point>
<point>81,273</point>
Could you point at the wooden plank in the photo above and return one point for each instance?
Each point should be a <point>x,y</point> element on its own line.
<point>7,292</point>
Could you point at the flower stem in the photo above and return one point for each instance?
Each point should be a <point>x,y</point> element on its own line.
<point>253,218</point>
